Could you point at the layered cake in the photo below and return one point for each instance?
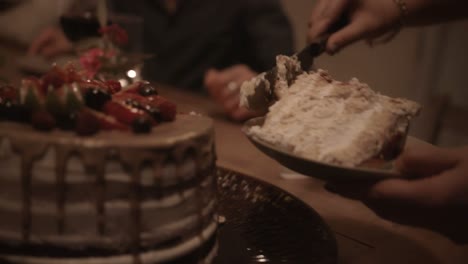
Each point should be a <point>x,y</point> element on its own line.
<point>136,187</point>
<point>317,117</point>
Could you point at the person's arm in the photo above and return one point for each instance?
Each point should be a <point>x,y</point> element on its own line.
<point>370,19</point>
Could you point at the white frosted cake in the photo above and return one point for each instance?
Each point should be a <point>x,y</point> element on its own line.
<point>342,123</point>
<point>115,197</point>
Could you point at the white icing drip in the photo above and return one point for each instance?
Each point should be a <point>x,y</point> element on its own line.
<point>82,207</point>
<point>146,257</point>
<point>154,234</point>
<point>44,170</point>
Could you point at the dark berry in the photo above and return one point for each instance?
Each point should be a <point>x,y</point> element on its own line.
<point>132,103</point>
<point>142,125</point>
<point>147,90</point>
<point>86,123</point>
<point>43,120</point>
<point>8,92</point>
<point>154,112</point>
<point>11,110</point>
<point>113,86</point>
<point>96,98</point>
<point>67,121</point>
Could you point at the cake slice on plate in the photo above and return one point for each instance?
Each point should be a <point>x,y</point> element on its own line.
<point>341,123</point>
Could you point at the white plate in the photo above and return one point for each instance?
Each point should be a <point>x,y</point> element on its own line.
<point>375,169</point>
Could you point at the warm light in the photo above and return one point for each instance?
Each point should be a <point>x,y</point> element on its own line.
<point>132,74</point>
<point>261,258</point>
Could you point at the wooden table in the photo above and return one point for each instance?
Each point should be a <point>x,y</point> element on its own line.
<point>362,236</point>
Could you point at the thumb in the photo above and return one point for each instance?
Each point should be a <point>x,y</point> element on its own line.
<point>420,159</point>
<point>435,191</point>
<point>211,77</point>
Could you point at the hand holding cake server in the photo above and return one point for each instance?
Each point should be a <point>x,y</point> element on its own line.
<point>434,192</point>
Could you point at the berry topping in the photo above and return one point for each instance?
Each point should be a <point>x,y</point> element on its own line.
<point>132,103</point>
<point>9,105</point>
<point>142,124</point>
<point>43,120</point>
<point>147,90</point>
<point>56,77</point>
<point>67,121</point>
<point>8,92</point>
<point>167,109</point>
<point>113,86</point>
<point>96,98</point>
<point>122,112</point>
<point>11,110</point>
<point>107,122</point>
<point>154,112</point>
<point>63,98</point>
<point>86,123</point>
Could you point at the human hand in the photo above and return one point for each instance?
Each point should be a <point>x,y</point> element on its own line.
<point>224,88</point>
<point>51,42</point>
<point>433,193</point>
<point>367,19</point>
<point>436,177</point>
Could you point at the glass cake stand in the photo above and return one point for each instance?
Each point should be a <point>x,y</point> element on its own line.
<point>264,224</point>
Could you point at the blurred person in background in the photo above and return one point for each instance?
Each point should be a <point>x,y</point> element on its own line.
<point>434,190</point>
<point>23,20</point>
<point>200,43</point>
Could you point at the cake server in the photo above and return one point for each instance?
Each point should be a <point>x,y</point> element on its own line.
<point>260,95</point>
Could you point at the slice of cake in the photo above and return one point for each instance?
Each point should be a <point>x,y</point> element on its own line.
<point>139,187</point>
<point>342,123</point>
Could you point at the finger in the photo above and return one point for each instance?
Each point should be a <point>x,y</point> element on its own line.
<point>242,114</point>
<point>324,16</point>
<point>353,32</point>
<point>231,103</point>
<point>212,83</point>
<point>419,160</point>
<point>436,191</point>
<point>44,38</point>
<point>50,50</point>
<point>210,76</point>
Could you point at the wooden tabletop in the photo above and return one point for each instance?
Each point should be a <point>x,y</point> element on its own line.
<point>362,236</point>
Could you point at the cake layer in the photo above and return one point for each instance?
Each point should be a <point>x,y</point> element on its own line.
<point>114,191</point>
<point>200,248</point>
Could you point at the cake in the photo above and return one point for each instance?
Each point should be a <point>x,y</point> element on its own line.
<point>115,194</point>
<point>317,117</point>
